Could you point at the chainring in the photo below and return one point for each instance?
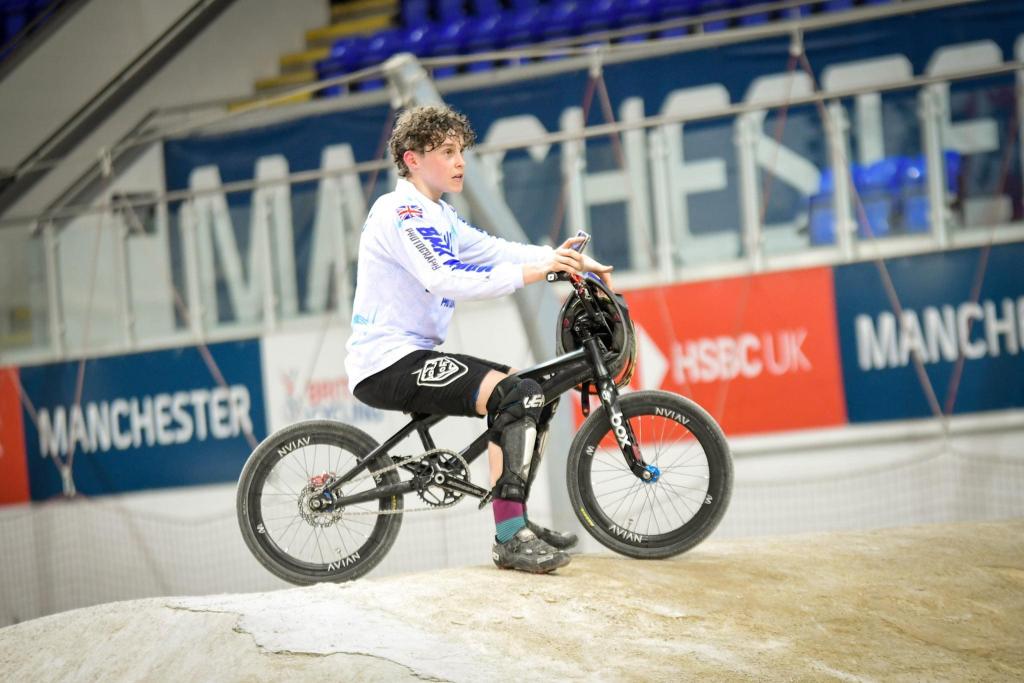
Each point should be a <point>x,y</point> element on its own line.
<point>444,465</point>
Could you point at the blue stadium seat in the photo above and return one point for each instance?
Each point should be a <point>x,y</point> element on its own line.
<point>485,7</point>
<point>449,10</point>
<point>715,6</point>
<point>914,189</point>
<point>637,13</point>
<point>417,40</point>
<point>483,35</point>
<point>15,17</point>
<point>380,46</point>
<point>676,9</point>
<point>836,5</point>
<point>449,38</point>
<point>415,12</point>
<point>346,56</point>
<point>755,18</point>
<point>878,185</point>
<point>822,213</point>
<point>601,15</point>
<point>563,19</point>
<point>522,27</point>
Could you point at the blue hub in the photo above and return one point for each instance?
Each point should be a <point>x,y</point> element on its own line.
<point>655,474</point>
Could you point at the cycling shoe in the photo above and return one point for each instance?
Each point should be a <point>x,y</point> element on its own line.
<point>526,552</point>
<point>559,540</point>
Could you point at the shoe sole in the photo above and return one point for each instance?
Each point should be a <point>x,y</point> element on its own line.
<point>536,568</point>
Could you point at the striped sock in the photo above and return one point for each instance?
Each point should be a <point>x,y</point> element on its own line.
<point>509,517</point>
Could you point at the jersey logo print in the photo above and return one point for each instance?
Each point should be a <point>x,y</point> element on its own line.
<point>407,211</point>
<point>441,244</point>
<point>440,372</point>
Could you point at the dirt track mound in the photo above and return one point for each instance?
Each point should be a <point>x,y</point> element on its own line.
<point>935,602</point>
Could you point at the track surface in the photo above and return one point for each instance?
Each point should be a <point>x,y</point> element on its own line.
<point>923,603</point>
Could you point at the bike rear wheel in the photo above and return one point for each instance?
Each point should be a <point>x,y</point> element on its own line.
<point>290,539</point>
<point>685,501</point>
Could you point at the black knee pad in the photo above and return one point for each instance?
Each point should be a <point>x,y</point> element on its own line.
<point>513,410</point>
<point>512,400</point>
<point>543,427</point>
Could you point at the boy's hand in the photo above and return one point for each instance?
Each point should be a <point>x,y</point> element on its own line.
<point>565,259</point>
<point>590,265</point>
<point>604,272</point>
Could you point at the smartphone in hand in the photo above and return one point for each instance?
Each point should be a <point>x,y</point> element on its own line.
<point>582,244</point>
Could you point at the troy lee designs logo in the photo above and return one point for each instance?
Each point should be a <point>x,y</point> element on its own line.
<point>440,372</point>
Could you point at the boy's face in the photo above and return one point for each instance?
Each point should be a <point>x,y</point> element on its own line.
<point>438,170</point>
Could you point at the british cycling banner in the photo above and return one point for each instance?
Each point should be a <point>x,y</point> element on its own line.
<point>758,352</point>
<point>13,469</point>
<point>304,378</point>
<point>148,420</point>
<point>969,342</point>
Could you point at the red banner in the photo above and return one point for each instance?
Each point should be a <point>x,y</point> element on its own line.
<point>13,468</point>
<point>759,352</point>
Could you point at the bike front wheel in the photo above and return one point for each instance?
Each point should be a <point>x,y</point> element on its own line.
<point>286,535</point>
<point>688,494</point>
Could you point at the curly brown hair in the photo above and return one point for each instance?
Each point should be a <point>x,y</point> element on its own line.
<point>423,128</point>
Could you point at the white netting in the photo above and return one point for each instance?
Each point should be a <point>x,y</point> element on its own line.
<point>66,554</point>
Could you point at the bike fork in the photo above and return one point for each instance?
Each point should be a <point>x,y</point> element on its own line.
<point>609,395</point>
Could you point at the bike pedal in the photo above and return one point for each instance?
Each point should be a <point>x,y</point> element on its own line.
<point>485,500</point>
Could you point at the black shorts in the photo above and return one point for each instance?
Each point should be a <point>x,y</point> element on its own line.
<point>428,382</point>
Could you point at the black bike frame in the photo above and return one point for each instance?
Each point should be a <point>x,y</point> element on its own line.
<point>556,376</point>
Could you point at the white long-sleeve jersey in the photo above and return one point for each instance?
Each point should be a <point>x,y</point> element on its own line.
<point>416,259</point>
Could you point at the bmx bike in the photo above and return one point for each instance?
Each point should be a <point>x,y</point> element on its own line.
<point>649,473</point>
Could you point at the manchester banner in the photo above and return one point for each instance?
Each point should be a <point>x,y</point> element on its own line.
<point>969,343</point>
<point>143,421</point>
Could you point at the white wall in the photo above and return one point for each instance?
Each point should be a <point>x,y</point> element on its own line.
<point>242,44</point>
<point>59,76</point>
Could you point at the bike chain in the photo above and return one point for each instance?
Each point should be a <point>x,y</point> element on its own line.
<point>400,463</point>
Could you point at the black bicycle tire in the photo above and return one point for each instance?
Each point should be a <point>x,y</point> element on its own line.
<point>249,505</point>
<point>600,525</point>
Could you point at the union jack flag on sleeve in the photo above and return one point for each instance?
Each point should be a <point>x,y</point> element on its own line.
<point>407,211</point>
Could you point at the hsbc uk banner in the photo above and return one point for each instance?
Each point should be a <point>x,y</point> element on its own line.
<point>758,352</point>
<point>969,343</point>
<point>148,420</point>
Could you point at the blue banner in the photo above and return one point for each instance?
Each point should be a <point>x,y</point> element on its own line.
<point>145,421</point>
<point>941,322</point>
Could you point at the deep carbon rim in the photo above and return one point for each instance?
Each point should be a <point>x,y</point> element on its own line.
<point>680,504</point>
<point>314,546</point>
